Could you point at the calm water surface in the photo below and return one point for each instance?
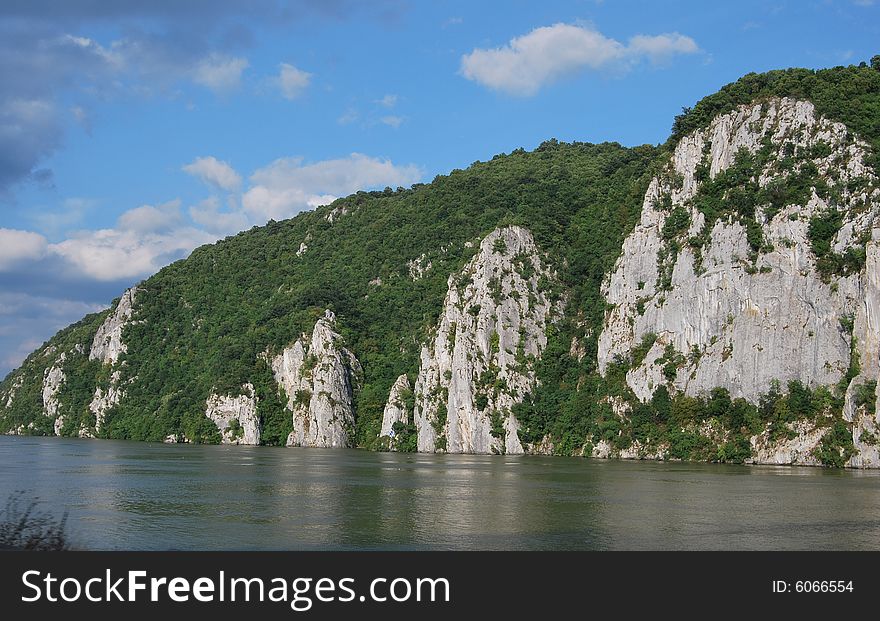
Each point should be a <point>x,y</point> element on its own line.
<point>129,495</point>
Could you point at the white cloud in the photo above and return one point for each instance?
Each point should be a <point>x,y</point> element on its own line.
<point>19,246</point>
<point>662,47</point>
<point>264,203</point>
<point>292,81</point>
<point>112,254</point>
<point>207,214</point>
<point>213,171</point>
<point>220,73</point>
<point>388,101</point>
<point>287,187</point>
<point>392,120</point>
<point>548,53</point>
<point>149,219</point>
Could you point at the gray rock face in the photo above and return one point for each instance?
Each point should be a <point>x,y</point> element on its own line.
<point>796,451</point>
<point>866,332</point>
<point>491,330</point>
<point>319,375</point>
<point>107,345</point>
<point>738,319</point>
<point>779,322</point>
<point>235,416</point>
<point>396,410</point>
<point>304,245</point>
<point>103,400</point>
<point>53,379</point>
<point>604,450</point>
<point>418,267</point>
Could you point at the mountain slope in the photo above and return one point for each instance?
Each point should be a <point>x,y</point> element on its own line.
<point>379,260</point>
<point>714,298</point>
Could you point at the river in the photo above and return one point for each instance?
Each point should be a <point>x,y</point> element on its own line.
<point>141,496</point>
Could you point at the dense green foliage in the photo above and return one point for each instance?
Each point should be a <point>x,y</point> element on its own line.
<point>572,403</point>
<point>850,95</point>
<point>26,408</point>
<point>201,325</point>
<point>205,324</point>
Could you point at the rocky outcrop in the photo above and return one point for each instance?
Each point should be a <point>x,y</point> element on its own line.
<point>544,447</point>
<point>861,404</point>
<point>738,324</point>
<point>337,212</point>
<point>107,345</point>
<point>235,416</point>
<point>103,400</point>
<point>396,410</point>
<point>604,450</point>
<point>866,440</point>
<point>304,245</point>
<point>318,376</point>
<point>713,308</point>
<point>53,379</point>
<point>481,362</point>
<point>796,448</point>
<point>419,266</point>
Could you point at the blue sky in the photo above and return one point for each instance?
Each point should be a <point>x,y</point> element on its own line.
<point>131,132</point>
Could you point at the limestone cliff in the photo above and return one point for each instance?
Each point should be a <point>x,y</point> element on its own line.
<point>742,298</point>
<point>108,346</point>
<point>480,363</point>
<point>396,410</point>
<point>235,416</point>
<point>103,399</point>
<point>713,298</point>
<point>862,406</point>
<point>52,381</point>
<point>318,376</point>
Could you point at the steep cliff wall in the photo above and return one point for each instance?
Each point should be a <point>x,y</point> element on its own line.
<point>52,383</point>
<point>107,347</point>
<point>862,406</point>
<point>481,361</point>
<point>738,320</point>
<point>745,266</point>
<point>319,376</point>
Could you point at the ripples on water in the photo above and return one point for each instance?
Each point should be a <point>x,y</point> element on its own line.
<point>128,495</point>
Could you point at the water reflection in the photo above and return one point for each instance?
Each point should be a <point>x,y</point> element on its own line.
<point>123,495</point>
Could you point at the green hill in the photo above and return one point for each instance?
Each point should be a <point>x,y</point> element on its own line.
<point>209,324</point>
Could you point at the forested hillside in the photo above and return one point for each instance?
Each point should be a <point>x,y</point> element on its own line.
<point>202,323</point>
<point>385,263</point>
